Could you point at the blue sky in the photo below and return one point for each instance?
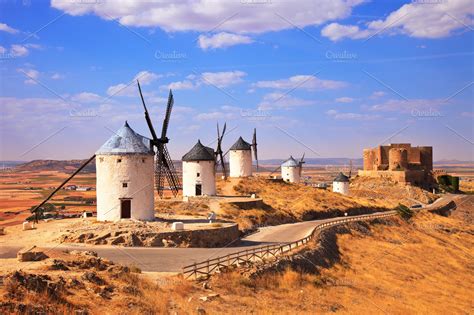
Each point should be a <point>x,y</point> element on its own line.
<point>328,79</point>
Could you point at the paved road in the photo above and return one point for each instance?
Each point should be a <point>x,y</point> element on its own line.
<point>173,259</point>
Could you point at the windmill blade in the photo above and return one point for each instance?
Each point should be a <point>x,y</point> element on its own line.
<point>301,164</point>
<point>219,152</point>
<point>147,116</point>
<point>166,121</point>
<point>168,170</point>
<point>254,145</point>
<point>223,165</point>
<point>275,170</point>
<point>223,130</point>
<point>63,183</point>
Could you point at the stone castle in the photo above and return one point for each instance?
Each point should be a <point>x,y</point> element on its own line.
<point>401,162</point>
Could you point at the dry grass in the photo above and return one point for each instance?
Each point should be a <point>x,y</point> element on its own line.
<point>423,266</point>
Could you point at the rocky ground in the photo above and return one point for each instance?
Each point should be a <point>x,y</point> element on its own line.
<point>151,234</point>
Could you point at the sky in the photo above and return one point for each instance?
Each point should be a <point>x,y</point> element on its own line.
<point>327,78</point>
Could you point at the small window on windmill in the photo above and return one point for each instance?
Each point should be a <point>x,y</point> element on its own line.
<point>124,185</point>
<point>119,160</point>
<point>198,174</point>
<point>143,160</point>
<point>101,159</point>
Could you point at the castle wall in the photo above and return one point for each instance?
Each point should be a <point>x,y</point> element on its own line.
<point>137,172</point>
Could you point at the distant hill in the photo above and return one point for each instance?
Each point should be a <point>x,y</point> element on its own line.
<point>68,166</point>
<point>453,162</point>
<point>316,161</point>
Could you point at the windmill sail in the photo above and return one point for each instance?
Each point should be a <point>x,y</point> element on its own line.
<point>164,167</point>
<point>254,146</point>
<point>38,207</point>
<point>218,152</point>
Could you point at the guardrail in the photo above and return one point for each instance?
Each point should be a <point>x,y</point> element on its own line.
<point>205,268</point>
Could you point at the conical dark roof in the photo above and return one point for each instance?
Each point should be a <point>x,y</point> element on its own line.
<point>199,153</point>
<point>341,178</point>
<point>126,141</point>
<point>241,144</point>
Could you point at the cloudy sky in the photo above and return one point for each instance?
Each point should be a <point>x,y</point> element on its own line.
<point>326,77</point>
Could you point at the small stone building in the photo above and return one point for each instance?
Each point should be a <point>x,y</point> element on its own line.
<point>340,184</point>
<point>240,159</point>
<point>291,170</point>
<point>199,171</point>
<point>125,177</point>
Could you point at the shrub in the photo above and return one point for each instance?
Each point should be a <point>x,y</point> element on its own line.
<point>404,212</point>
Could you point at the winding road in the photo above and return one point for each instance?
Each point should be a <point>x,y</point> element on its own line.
<point>173,259</point>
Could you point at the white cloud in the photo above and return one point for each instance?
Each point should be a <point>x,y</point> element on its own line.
<point>281,100</point>
<point>5,28</point>
<point>222,79</point>
<point>19,51</point>
<point>219,79</point>
<point>307,82</point>
<point>31,75</point>
<point>216,115</point>
<point>57,76</point>
<point>336,31</point>
<point>351,116</point>
<point>417,19</point>
<point>378,94</point>
<point>180,85</point>
<point>86,97</point>
<point>2,50</point>
<point>130,89</point>
<point>344,99</point>
<point>202,15</point>
<point>222,40</point>
<point>408,105</point>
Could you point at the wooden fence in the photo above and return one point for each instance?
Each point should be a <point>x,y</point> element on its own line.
<point>266,252</point>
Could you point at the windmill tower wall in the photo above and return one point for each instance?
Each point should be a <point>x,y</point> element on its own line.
<point>341,187</point>
<point>240,162</point>
<point>199,174</point>
<point>121,178</point>
<point>290,174</point>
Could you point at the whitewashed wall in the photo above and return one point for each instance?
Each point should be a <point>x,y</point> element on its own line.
<point>240,162</point>
<point>290,174</point>
<point>207,177</point>
<point>341,187</point>
<point>138,172</point>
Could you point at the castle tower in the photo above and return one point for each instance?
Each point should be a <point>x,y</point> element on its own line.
<point>125,183</point>
<point>240,159</point>
<point>291,170</point>
<point>199,172</point>
<point>340,184</point>
<point>397,159</point>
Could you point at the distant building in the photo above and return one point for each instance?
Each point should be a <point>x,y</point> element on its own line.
<point>70,187</point>
<point>291,170</point>
<point>400,162</point>
<point>199,172</point>
<point>340,184</point>
<point>240,159</point>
